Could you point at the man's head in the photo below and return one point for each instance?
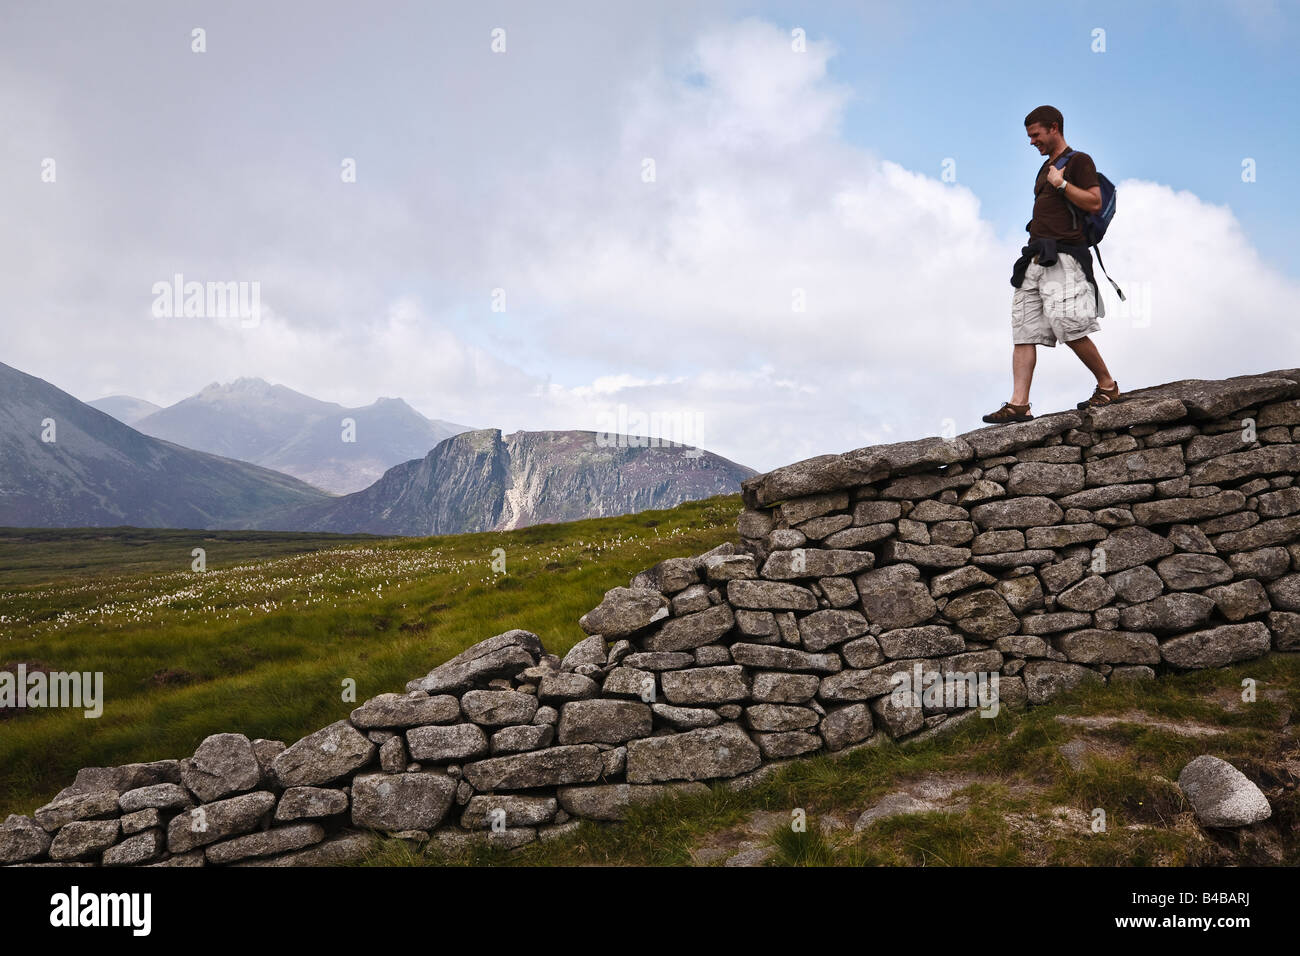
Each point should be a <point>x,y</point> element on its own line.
<point>1046,129</point>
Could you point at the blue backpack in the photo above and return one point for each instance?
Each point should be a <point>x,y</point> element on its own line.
<point>1095,223</point>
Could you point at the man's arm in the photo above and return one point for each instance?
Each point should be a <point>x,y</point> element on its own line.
<point>1089,200</point>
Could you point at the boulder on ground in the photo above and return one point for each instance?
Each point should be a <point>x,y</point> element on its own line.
<point>1221,795</point>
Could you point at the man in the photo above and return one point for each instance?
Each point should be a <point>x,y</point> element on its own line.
<point>1056,296</point>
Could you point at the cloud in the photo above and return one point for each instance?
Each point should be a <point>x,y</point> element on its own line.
<point>906,327</point>
<point>792,293</point>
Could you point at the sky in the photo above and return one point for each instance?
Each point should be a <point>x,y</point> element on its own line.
<point>772,230</point>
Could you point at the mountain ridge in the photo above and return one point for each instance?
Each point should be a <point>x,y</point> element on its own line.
<point>127,409</point>
<point>97,471</point>
<point>280,428</point>
<point>68,464</point>
<point>483,480</point>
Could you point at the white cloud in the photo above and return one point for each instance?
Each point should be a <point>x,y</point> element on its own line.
<point>675,296</point>
<point>908,299</point>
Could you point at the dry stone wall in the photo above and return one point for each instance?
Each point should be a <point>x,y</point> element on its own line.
<point>1014,562</point>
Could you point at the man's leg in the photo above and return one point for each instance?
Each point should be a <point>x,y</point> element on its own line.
<point>1086,349</point>
<point>1023,358</point>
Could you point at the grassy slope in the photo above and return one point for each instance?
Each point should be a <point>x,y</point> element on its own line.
<point>279,620</point>
<point>263,640</point>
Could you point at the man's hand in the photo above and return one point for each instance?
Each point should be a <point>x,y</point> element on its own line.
<point>1089,200</point>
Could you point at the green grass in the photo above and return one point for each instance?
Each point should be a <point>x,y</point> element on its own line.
<point>34,556</point>
<point>262,642</point>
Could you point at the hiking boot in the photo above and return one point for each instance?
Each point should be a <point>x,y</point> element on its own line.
<point>1009,413</point>
<point>1102,396</point>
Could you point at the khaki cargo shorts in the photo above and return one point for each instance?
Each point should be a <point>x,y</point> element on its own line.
<point>1054,302</point>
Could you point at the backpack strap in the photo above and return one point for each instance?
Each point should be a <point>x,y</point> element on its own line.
<point>1060,164</point>
<point>1118,291</point>
<point>1074,224</point>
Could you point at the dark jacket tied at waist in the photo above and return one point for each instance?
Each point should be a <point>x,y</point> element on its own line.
<point>1046,250</point>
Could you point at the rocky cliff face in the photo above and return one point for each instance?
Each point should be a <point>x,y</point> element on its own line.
<point>484,481</point>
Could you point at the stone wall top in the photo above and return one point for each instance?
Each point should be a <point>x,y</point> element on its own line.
<point>1193,398</point>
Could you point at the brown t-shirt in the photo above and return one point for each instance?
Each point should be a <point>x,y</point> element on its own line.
<point>1051,210</point>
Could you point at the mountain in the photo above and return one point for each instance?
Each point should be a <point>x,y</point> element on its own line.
<point>480,481</point>
<point>98,471</point>
<point>124,408</point>
<point>276,427</point>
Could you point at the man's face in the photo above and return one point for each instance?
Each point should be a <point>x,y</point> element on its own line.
<point>1040,138</point>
